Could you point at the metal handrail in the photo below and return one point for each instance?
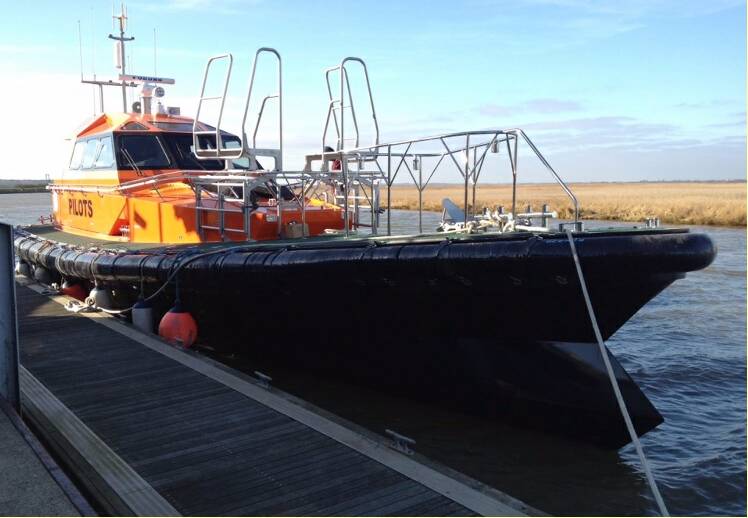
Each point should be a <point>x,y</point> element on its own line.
<point>368,88</point>
<point>345,85</point>
<point>496,134</point>
<point>331,109</point>
<point>219,151</point>
<point>251,152</point>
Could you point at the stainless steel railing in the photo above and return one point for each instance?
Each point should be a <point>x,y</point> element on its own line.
<point>468,158</point>
<point>362,168</point>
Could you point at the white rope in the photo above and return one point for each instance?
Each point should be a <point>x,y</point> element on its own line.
<point>614,382</point>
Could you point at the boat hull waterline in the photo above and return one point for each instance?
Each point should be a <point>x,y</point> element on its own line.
<point>489,324</point>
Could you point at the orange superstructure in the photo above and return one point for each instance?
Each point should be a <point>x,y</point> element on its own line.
<point>135,178</point>
<point>149,175</point>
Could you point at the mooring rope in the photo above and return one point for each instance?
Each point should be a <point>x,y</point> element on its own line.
<point>614,382</point>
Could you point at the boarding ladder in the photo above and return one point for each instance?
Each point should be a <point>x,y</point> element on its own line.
<point>352,192</point>
<point>223,191</point>
<point>337,105</point>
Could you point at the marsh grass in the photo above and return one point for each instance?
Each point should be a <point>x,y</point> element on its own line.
<point>690,203</point>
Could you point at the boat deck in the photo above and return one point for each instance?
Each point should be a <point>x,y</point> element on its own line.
<point>152,430</point>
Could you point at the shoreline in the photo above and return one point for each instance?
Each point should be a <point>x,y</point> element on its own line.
<point>23,191</point>
<point>681,203</point>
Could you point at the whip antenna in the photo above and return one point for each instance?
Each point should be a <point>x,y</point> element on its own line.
<point>80,47</point>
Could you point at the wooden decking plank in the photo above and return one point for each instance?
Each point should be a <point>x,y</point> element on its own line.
<point>225,437</point>
<point>258,485</point>
<point>231,462</point>
<point>98,408</point>
<point>169,413</point>
<point>146,385</point>
<point>137,494</point>
<point>180,428</point>
<point>390,505</point>
<point>269,504</point>
<point>144,459</point>
<point>121,410</point>
<point>173,414</point>
<point>406,490</point>
<point>69,382</point>
<point>228,490</point>
<point>348,495</point>
<point>209,441</point>
<point>119,395</point>
<point>56,371</point>
<point>320,487</point>
<point>209,460</point>
<point>433,505</point>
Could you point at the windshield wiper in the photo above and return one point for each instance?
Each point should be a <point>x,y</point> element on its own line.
<point>127,155</point>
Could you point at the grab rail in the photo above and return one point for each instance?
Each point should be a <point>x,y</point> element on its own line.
<point>203,153</point>
<point>345,85</point>
<point>277,154</point>
<point>488,140</point>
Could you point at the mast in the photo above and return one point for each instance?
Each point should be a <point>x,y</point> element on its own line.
<point>122,19</point>
<point>126,80</point>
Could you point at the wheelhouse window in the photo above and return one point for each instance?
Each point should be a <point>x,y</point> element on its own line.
<point>173,126</point>
<point>133,126</point>
<point>106,154</point>
<point>142,152</point>
<point>89,153</point>
<point>77,157</point>
<point>181,145</point>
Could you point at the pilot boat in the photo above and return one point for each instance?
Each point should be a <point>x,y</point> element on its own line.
<point>301,267</point>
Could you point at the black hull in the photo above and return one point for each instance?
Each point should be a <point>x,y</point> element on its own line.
<point>488,324</point>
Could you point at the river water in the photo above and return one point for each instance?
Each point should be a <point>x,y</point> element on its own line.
<point>686,349</point>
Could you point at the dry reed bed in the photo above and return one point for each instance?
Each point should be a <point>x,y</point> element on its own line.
<point>691,203</point>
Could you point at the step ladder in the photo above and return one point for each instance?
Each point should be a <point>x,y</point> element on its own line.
<point>337,105</point>
<point>221,201</point>
<point>252,152</point>
<point>203,147</point>
<point>360,196</point>
<point>209,143</point>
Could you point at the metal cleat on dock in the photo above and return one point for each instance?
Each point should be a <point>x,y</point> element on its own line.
<point>263,380</point>
<point>401,443</point>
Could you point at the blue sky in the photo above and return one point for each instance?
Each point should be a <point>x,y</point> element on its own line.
<point>608,90</point>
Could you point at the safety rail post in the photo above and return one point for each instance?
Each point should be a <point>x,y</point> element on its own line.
<point>420,193</point>
<point>221,213</point>
<point>344,171</point>
<point>303,205</point>
<point>389,190</point>
<point>247,202</point>
<point>467,176</point>
<point>199,211</point>
<point>9,388</point>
